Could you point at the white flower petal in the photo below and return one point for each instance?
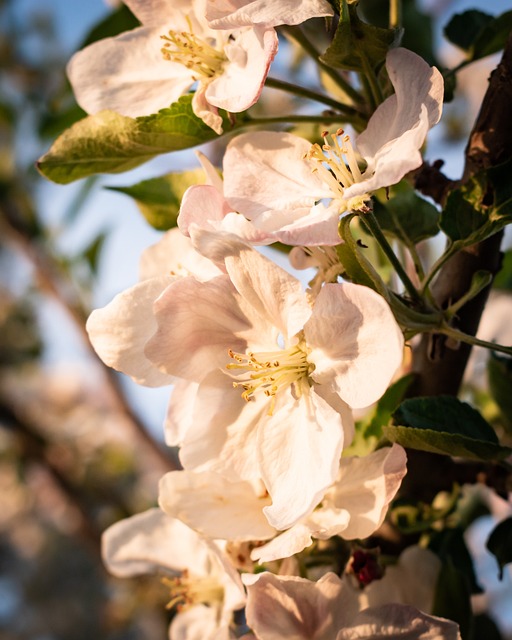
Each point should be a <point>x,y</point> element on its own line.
<point>214,506</point>
<point>197,324</point>
<point>120,331</point>
<point>127,74</point>
<point>286,544</point>
<point>202,205</point>
<point>179,418</point>
<point>365,487</point>
<point>355,340</point>
<point>266,171</point>
<point>299,448</point>
<point>222,14</point>
<point>197,623</point>
<point>152,541</point>
<point>241,82</point>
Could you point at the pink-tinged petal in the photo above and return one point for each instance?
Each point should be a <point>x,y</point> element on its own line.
<point>299,448</point>
<point>395,159</point>
<point>266,171</point>
<point>243,76</point>
<point>197,623</point>
<point>356,343</point>
<point>399,622</point>
<point>179,418</point>
<point>213,177</point>
<point>127,74</point>
<point>150,542</point>
<point>222,14</point>
<point>416,84</point>
<point>275,294</point>
<point>205,110</point>
<point>411,581</point>
<point>286,544</point>
<point>288,607</point>
<point>365,487</point>
<point>197,323</point>
<point>222,433</point>
<point>202,205</point>
<point>156,12</point>
<point>314,226</point>
<point>120,331</point>
<point>214,506</point>
<point>174,254</point>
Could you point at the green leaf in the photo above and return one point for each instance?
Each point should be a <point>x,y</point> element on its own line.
<point>111,143</point>
<point>355,41</point>
<point>445,425</point>
<point>463,28</point>
<point>479,208</point>
<point>479,34</point>
<point>503,279</point>
<point>407,216</point>
<point>452,598</point>
<point>499,544</point>
<point>499,372</point>
<point>159,199</point>
<point>450,543</point>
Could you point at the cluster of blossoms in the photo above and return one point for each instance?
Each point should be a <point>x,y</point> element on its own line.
<point>265,376</point>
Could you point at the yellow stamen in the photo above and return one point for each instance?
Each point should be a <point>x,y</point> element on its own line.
<point>187,591</point>
<point>193,52</point>
<point>271,372</point>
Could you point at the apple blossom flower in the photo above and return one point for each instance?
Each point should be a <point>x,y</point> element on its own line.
<point>222,14</point>
<point>275,375</point>
<point>285,185</point>
<point>144,70</point>
<point>202,581</point>
<point>291,607</point>
<point>353,507</point>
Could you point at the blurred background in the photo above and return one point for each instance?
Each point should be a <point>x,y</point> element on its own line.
<point>80,446</point>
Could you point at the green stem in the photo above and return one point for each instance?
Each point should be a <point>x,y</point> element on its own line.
<point>296,34</point>
<point>373,83</point>
<point>438,264</point>
<point>308,93</point>
<point>464,337</point>
<point>293,118</point>
<point>370,221</point>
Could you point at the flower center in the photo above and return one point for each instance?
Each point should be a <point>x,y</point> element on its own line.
<point>187,591</point>
<point>337,166</point>
<point>271,371</point>
<point>193,52</point>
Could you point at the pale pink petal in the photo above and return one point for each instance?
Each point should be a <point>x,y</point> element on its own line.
<point>399,622</point>
<point>286,544</point>
<point>243,76</point>
<point>222,14</point>
<point>213,177</point>
<point>313,226</point>
<point>288,607</point>
<point>120,331</point>
<point>154,12</point>
<point>205,110</point>
<point>202,205</point>
<point>174,254</point>
<point>127,74</point>
<point>356,342</point>
<point>179,418</point>
<point>152,541</point>
<point>299,447</point>
<point>197,623</point>
<point>266,171</point>
<point>197,323</point>
<point>214,506</point>
<point>365,487</point>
